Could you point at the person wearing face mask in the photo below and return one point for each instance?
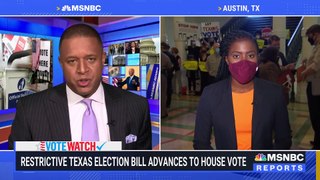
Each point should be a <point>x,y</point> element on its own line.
<point>194,50</point>
<point>243,111</point>
<point>274,41</point>
<point>312,75</point>
<point>213,62</point>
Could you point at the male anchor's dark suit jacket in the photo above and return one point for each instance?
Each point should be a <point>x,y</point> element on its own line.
<point>269,119</point>
<point>131,86</point>
<point>44,116</point>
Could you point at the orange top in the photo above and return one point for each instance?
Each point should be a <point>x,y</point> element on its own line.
<point>243,108</point>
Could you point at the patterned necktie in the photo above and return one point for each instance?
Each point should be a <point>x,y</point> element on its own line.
<point>89,123</point>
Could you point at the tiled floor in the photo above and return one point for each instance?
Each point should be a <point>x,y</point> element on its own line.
<point>178,128</point>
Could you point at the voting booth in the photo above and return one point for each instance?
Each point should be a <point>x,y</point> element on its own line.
<point>25,67</point>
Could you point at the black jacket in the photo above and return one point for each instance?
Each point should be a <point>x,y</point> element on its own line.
<point>270,122</point>
<point>44,116</point>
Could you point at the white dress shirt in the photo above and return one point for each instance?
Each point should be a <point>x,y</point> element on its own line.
<point>77,109</point>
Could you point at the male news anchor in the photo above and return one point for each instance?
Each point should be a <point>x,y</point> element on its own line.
<point>83,108</point>
<point>132,81</point>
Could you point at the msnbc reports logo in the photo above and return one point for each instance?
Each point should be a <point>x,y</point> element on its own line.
<point>260,157</point>
<point>81,8</point>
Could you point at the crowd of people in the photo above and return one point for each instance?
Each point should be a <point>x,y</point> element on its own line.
<point>239,71</point>
<point>206,64</point>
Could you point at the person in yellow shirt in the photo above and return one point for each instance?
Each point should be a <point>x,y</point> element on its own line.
<point>191,66</point>
<point>243,112</point>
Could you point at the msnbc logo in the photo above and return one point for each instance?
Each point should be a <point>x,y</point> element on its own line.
<point>66,8</point>
<point>91,8</point>
<point>260,157</point>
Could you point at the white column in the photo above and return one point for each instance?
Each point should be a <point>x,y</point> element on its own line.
<point>279,29</point>
<point>181,45</point>
<point>163,28</point>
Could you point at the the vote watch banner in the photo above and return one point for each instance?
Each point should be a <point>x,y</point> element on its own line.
<point>61,146</point>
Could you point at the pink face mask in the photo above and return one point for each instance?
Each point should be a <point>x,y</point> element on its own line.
<point>243,71</point>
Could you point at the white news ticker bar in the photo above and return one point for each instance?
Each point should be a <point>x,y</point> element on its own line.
<point>57,146</point>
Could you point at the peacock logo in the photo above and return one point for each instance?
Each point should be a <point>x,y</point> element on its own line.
<point>260,157</point>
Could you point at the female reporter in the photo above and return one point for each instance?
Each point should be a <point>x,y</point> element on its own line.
<point>244,112</point>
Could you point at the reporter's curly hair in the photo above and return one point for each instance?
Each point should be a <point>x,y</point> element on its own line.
<point>232,37</point>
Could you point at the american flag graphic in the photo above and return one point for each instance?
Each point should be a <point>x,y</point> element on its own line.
<point>42,146</point>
